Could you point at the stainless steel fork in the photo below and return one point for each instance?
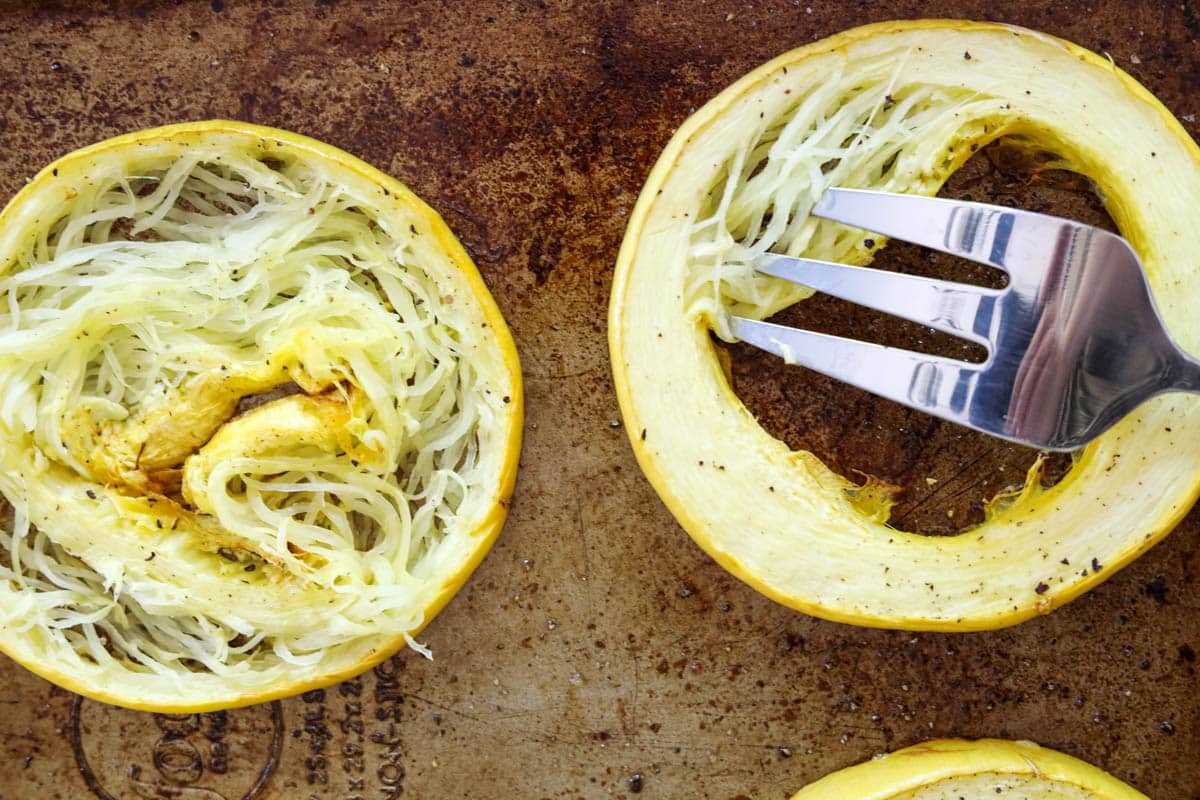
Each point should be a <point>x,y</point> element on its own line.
<point>1074,340</point>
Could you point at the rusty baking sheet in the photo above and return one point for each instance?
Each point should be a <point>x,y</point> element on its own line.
<point>597,652</point>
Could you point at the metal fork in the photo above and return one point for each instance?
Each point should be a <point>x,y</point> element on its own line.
<point>1074,340</point>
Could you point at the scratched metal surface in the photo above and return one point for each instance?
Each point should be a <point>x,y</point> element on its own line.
<point>597,652</point>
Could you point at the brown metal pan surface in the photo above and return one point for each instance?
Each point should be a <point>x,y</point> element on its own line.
<point>597,652</point>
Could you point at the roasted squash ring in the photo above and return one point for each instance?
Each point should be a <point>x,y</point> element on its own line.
<point>897,106</point>
<point>950,768</point>
<point>259,417</point>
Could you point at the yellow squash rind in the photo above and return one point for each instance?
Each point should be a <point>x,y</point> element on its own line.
<point>781,520</point>
<point>450,574</point>
<point>954,767</point>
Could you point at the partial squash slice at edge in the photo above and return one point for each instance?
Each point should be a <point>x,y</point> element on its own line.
<point>948,769</point>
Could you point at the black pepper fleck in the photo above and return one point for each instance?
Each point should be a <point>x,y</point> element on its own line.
<point>1157,589</point>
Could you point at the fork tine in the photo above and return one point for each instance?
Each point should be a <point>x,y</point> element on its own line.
<point>958,309</point>
<point>939,386</point>
<point>1006,238</point>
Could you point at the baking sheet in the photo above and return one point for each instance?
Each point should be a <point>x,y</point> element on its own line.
<point>596,652</point>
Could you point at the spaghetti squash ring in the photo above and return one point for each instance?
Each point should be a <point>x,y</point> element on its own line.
<point>954,768</point>
<point>895,106</point>
<point>259,417</point>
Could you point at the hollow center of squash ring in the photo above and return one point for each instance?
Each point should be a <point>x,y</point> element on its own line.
<point>940,476</point>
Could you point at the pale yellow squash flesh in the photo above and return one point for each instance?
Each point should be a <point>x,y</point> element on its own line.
<point>897,106</point>
<point>259,417</point>
<point>953,769</point>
